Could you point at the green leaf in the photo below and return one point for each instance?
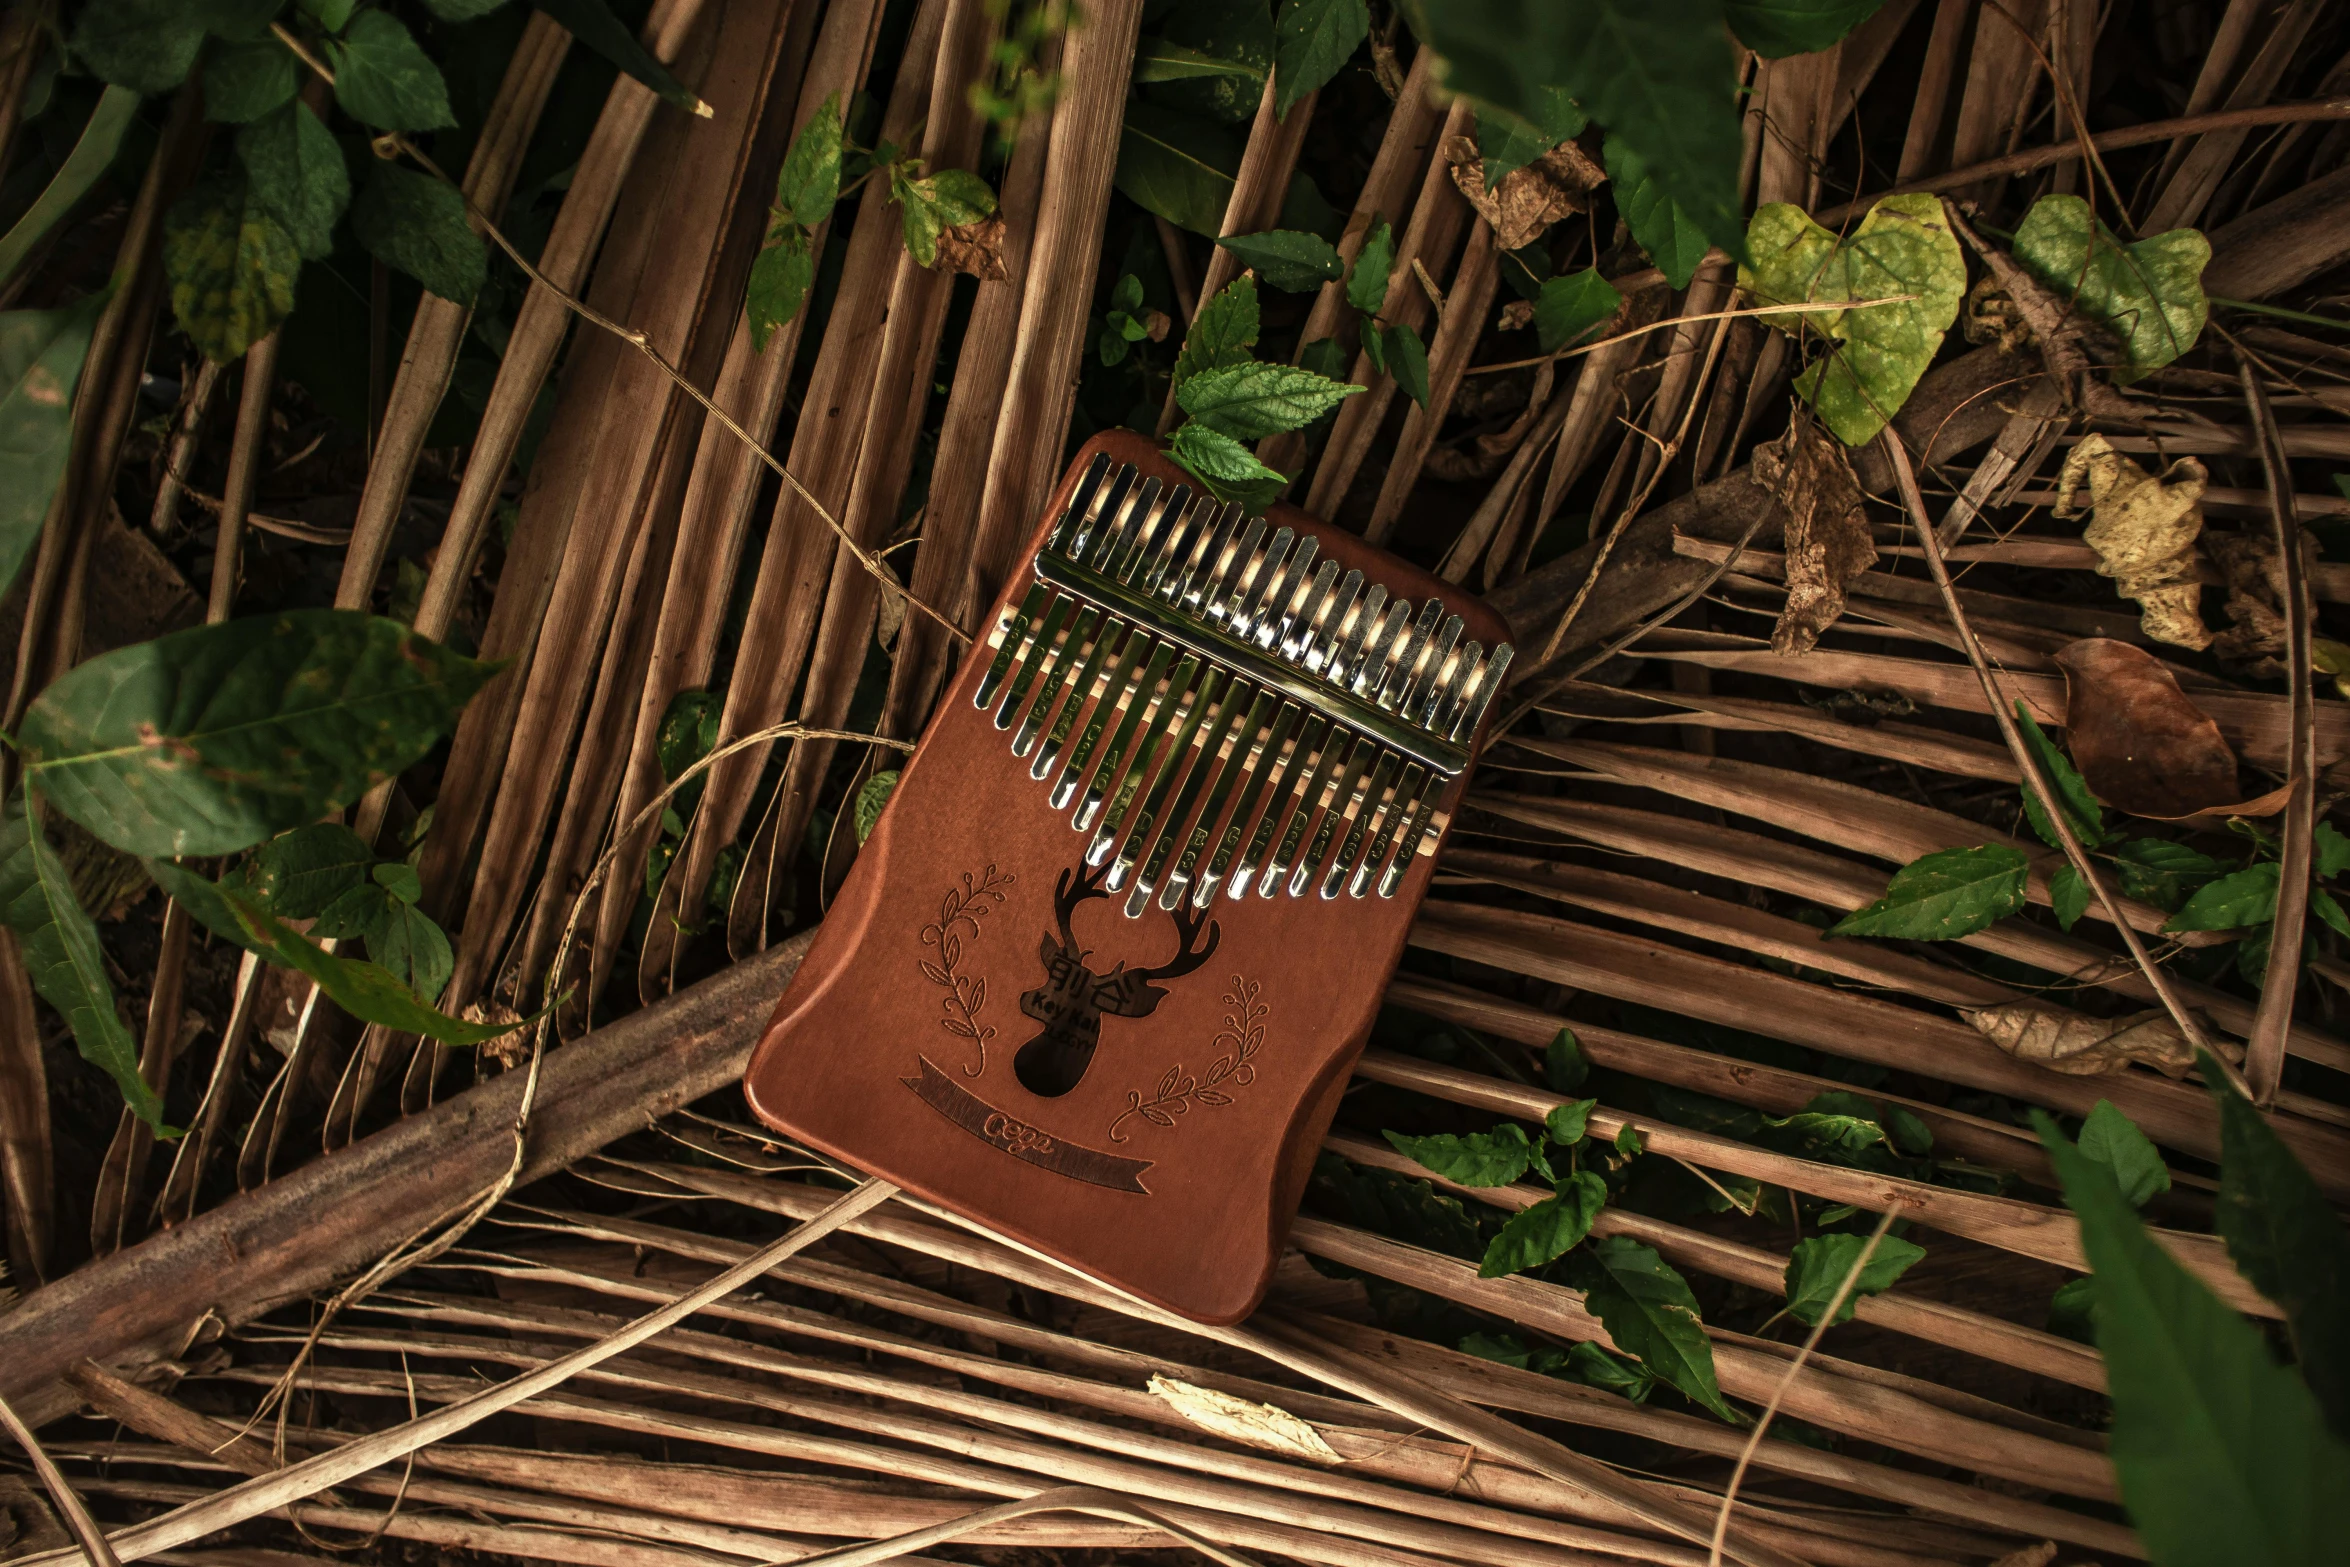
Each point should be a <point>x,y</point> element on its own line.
<point>1548,1230</point>
<point>299,873</point>
<point>2112,1139</point>
<point>1944,895</point>
<point>1238,33</point>
<point>2222,1454</point>
<point>329,14</point>
<point>1493,1158</point>
<point>931,205</point>
<point>1324,357</point>
<point>1657,73</point>
<point>1672,239</point>
<point>148,46</point>
<point>294,170</point>
<point>1407,361</point>
<point>1222,334</point>
<point>1225,469</point>
<point>1816,1270</point>
<point>1649,1313</point>
<point>1157,60</point>
<point>367,991</point>
<point>1776,29</point>
<point>2081,810</point>
<point>1629,1142</point>
<point>809,182</point>
<point>1568,1124</point>
<point>1564,1066</point>
<point>2070,1310</point>
<point>1595,1366</point>
<point>2157,871</point>
<point>688,732</point>
<point>1903,247</point>
<point>2288,1241</point>
<point>93,153</point>
<point>417,223</point>
<point>593,23</point>
<point>1910,1133</point>
<point>231,265</point>
<point>383,79</point>
<point>1177,165</point>
<point>1251,401</point>
<point>2237,902</point>
<point>62,958</point>
<point>870,799</point>
<point>1312,39</point>
<point>1570,307</point>
<point>243,82</point>
<point>41,356</point>
<point>1510,141</point>
<point>1292,262</point>
<point>240,21</point>
<point>2148,294</point>
<point>2068,895</point>
<point>1375,346</point>
<point>462,10</point>
<point>781,276</point>
<point>1838,1127</point>
<point>1366,280</point>
<point>398,878</point>
<point>209,740</point>
<point>2323,904</point>
<point>2333,850</point>
<point>401,939</point>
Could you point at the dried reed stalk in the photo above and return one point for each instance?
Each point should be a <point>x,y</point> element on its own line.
<point>1468,304</point>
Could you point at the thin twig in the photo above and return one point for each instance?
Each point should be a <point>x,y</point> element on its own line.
<point>77,1517</point>
<point>1094,1501</point>
<point>1673,321</point>
<point>2264,1051</point>
<point>2034,779</point>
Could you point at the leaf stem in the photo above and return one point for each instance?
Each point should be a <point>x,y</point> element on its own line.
<point>1673,321</point>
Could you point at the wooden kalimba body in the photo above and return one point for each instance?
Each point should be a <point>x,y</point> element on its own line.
<point>1097,978</point>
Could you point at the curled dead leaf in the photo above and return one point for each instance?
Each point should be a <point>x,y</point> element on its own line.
<point>1989,316</point>
<point>2141,743</point>
<point>976,249</point>
<point>2078,1045</point>
<point>2030,1556</point>
<point>1556,185</point>
<point>1156,324</point>
<point>1516,316</point>
<point>1827,530</point>
<point>1237,1419</point>
<point>2255,571</point>
<point>2144,532</point>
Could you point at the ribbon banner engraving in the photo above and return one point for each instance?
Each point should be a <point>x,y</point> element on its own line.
<point>1030,1144</point>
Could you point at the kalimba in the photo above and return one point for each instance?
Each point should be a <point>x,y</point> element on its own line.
<point>1098,976</point>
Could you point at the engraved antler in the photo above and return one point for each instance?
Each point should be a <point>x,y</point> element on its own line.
<point>1188,923</point>
<point>1076,885</point>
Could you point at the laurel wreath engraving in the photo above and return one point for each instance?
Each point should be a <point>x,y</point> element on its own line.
<point>1241,1037</point>
<point>963,908</point>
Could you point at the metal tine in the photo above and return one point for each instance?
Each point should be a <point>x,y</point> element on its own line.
<point>1256,763</point>
<point>1084,633</point>
<point>1347,649</point>
<point>1312,603</point>
<point>1288,598</point>
<point>1209,747</point>
<point>1208,519</point>
<point>1171,766</point>
<point>1361,812</point>
<point>1407,655</point>
<point>1330,622</point>
<point>1263,582</point>
<point>1040,652</point>
<point>1370,665</point>
<point>1109,545</point>
<point>1480,694</point>
<point>1452,684</point>
<point>1158,569</point>
<point>1419,831</point>
<point>1140,700</point>
<point>1146,556</point>
<point>1118,499</point>
<point>1338,806</point>
<point>1229,762</point>
<point>1428,679</point>
<point>1087,502</point>
<point>1012,633</point>
<point>1233,564</point>
<point>1391,814</point>
<point>1109,691</point>
<point>1303,760</point>
<point>1306,801</point>
<point>1178,707</point>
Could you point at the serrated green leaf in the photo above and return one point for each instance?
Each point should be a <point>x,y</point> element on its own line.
<point>1407,361</point>
<point>2112,1139</point>
<point>299,873</point>
<point>1312,39</point>
<point>1657,73</point>
<point>781,276</point>
<point>398,878</point>
<point>383,79</point>
<point>1568,1124</point>
<point>243,82</point>
<point>1836,1126</point>
<point>295,171</point>
<point>2288,1241</point>
<point>1569,308</point>
<point>1817,1268</point>
<point>2333,850</point>
<point>2148,294</point>
<point>1251,401</point>
<point>1509,141</point>
<point>931,205</point>
<point>1673,240</point>
<point>1324,357</point>
<point>1594,1366</point>
<point>2235,902</point>
<point>41,358</point>
<point>231,265</point>
<point>148,46</point>
<point>2157,871</point>
<point>62,958</point>
<point>418,224</point>
<point>2081,810</point>
<point>1876,354</point>
<point>1179,166</point>
<point>1493,1158</point>
<point>593,23</point>
<point>1629,1141</point>
<point>1225,469</point>
<point>1548,1230</point>
<point>210,740</point>
<point>1649,1313</point>
<point>1222,334</point>
<point>1366,280</point>
<point>1776,29</point>
<point>809,182</point>
<point>2068,895</point>
<point>871,797</point>
<point>1944,895</point>
<point>2222,1454</point>
<point>1292,262</point>
<point>1563,1064</point>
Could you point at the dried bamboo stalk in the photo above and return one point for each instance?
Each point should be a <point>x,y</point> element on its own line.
<point>2002,77</point>
<point>187,431</point>
<point>27,1153</point>
<point>1468,305</point>
<point>2192,170</point>
<point>122,1174</point>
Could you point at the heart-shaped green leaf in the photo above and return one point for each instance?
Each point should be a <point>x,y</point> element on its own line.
<point>2148,294</point>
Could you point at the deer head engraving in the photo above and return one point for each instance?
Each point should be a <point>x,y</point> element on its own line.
<point>1074,999</point>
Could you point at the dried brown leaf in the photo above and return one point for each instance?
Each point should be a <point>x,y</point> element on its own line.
<point>2255,571</point>
<point>1556,185</point>
<point>2030,1556</point>
<point>1516,316</point>
<point>2141,743</point>
<point>1827,530</point>
<point>976,249</point>
<point>2078,1045</point>
<point>1239,1420</point>
<point>2144,532</point>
